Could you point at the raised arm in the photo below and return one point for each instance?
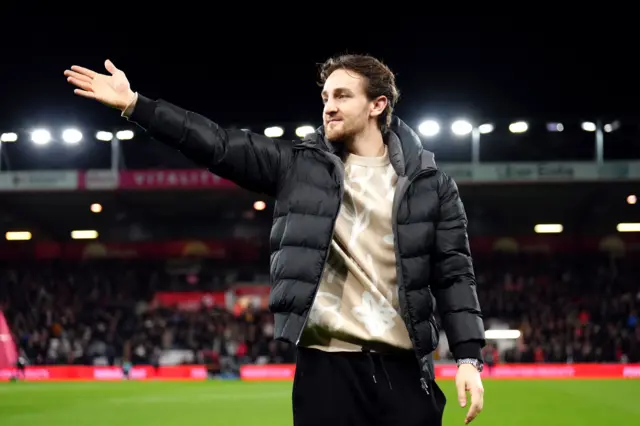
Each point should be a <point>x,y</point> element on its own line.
<point>253,161</point>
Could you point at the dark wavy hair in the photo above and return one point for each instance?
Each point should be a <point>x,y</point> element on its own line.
<point>380,80</point>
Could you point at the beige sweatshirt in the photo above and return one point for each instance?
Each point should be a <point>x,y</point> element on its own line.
<point>357,302</point>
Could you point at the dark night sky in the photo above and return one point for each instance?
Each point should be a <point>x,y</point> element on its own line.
<point>477,67</point>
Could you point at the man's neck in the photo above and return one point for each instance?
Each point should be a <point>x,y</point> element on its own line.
<point>367,144</point>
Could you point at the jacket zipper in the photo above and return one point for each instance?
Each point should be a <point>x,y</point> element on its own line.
<point>401,289</point>
<point>340,167</point>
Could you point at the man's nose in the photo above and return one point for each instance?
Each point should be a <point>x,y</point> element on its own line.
<point>330,108</point>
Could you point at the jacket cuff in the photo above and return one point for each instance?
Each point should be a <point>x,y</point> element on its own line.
<point>143,112</point>
<point>467,350</point>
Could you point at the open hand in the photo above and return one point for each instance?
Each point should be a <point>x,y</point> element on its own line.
<point>112,90</point>
<point>468,380</point>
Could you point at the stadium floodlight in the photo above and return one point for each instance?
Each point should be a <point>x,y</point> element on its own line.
<point>18,236</point>
<point>518,127</point>
<point>555,127</point>
<point>303,131</point>
<point>72,136</point>
<point>9,137</point>
<point>429,128</point>
<point>273,132</point>
<point>461,127</point>
<point>628,227</point>
<point>124,135</point>
<point>548,228</point>
<point>612,127</point>
<point>485,128</point>
<point>84,235</point>
<point>104,136</point>
<point>588,126</point>
<point>41,136</point>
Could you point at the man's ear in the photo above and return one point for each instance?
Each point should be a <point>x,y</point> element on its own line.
<point>378,106</point>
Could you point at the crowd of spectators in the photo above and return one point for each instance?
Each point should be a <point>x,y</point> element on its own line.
<point>568,309</point>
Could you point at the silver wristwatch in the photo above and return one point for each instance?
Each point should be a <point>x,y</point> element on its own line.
<point>475,362</point>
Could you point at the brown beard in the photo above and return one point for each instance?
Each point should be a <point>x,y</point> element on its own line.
<point>343,139</point>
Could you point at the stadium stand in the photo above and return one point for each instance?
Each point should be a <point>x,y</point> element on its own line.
<point>568,309</point>
<point>176,271</point>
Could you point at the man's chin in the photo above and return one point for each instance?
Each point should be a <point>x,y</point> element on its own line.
<point>335,136</point>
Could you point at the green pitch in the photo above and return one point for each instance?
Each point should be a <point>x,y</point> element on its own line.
<point>521,403</point>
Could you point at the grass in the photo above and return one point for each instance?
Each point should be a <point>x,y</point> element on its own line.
<point>508,402</point>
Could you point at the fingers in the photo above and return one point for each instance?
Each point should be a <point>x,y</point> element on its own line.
<point>477,404</point>
<point>84,94</point>
<point>77,76</point>
<point>84,85</point>
<point>462,392</point>
<point>110,67</point>
<point>84,71</point>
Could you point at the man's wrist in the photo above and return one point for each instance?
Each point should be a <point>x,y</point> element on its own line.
<point>128,108</point>
<point>476,363</point>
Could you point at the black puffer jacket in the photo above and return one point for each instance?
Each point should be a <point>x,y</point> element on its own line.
<point>306,179</point>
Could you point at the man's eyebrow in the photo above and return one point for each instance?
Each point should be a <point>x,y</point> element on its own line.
<point>337,91</point>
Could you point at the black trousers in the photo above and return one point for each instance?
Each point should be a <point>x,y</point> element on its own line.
<point>362,388</point>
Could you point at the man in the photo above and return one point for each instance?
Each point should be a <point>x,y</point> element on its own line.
<point>126,369</point>
<point>21,366</point>
<point>366,233</point>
